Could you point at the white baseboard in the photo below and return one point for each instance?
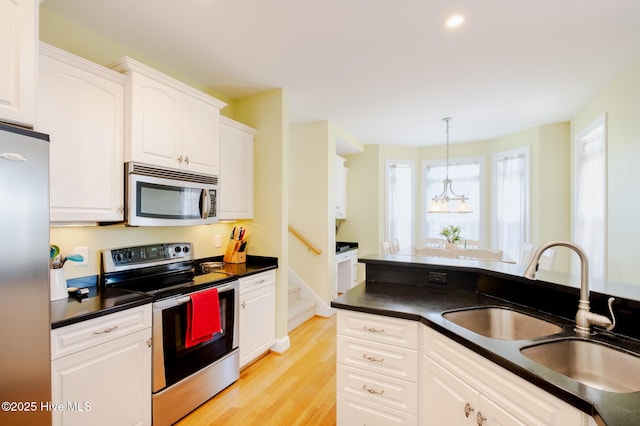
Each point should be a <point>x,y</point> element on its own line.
<point>325,311</point>
<point>281,345</point>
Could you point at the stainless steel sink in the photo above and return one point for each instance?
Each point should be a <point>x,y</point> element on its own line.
<point>592,364</point>
<point>502,323</point>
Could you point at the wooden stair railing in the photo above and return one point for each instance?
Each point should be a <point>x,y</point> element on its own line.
<point>304,241</point>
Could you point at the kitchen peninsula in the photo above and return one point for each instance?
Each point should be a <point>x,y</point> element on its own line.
<point>399,356</point>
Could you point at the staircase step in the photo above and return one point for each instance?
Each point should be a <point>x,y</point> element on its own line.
<point>299,311</point>
<point>293,296</point>
<point>293,288</point>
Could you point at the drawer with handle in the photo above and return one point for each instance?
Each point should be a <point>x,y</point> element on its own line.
<point>392,331</point>
<point>86,334</point>
<point>258,281</point>
<point>357,411</point>
<point>376,357</point>
<point>378,389</point>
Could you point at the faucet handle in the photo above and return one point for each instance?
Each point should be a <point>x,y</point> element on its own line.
<point>613,317</point>
<point>591,318</point>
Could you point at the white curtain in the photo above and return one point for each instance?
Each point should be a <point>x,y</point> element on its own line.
<point>511,203</point>
<point>466,181</point>
<point>400,189</point>
<point>589,232</point>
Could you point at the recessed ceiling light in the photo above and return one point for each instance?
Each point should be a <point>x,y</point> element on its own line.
<point>454,21</point>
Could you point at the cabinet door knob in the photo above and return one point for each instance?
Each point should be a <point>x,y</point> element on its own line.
<point>186,159</point>
<point>480,419</point>
<point>373,330</point>
<point>180,159</point>
<point>468,409</point>
<point>244,304</point>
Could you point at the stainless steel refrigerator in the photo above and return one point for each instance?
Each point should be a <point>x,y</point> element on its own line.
<point>25,357</point>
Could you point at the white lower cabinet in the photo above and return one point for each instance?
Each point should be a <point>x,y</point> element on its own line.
<point>346,270</point>
<point>377,370</point>
<point>462,388</point>
<point>101,370</point>
<point>389,372</point>
<point>257,315</point>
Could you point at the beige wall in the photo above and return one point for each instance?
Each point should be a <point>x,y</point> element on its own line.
<point>268,112</point>
<point>312,205</point>
<point>365,201</point>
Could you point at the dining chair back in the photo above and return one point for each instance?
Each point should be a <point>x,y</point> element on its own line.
<point>434,242</point>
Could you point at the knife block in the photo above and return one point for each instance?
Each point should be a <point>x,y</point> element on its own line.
<point>232,255</point>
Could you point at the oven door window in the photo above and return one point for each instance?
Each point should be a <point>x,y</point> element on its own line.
<point>168,202</point>
<point>181,362</point>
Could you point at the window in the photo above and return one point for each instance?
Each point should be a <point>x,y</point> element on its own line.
<point>590,195</point>
<point>465,174</point>
<point>511,201</point>
<point>400,190</point>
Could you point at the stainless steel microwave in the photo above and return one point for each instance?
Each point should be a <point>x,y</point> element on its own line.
<point>157,196</point>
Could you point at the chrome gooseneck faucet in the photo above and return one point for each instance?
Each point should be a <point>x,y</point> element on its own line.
<point>584,317</point>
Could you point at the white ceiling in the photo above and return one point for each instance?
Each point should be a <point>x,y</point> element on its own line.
<point>387,71</point>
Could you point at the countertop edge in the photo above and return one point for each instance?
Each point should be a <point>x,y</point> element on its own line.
<point>143,300</point>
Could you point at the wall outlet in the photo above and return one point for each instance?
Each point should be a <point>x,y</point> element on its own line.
<point>217,241</point>
<point>84,252</point>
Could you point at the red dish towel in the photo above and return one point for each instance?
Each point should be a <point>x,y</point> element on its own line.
<point>203,317</point>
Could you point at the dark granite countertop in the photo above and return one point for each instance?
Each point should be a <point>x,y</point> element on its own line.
<point>99,302</point>
<point>105,301</point>
<point>402,288</point>
<point>345,246</point>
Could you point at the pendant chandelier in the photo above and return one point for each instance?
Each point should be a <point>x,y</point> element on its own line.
<point>440,203</point>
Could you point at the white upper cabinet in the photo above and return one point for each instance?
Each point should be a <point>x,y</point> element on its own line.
<point>81,107</point>
<point>169,123</point>
<point>18,60</point>
<point>236,170</point>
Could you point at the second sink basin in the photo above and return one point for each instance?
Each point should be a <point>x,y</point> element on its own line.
<point>592,364</point>
<point>502,323</point>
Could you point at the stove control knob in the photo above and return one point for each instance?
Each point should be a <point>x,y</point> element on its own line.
<point>128,254</point>
<point>178,249</point>
<point>118,257</point>
<point>185,249</point>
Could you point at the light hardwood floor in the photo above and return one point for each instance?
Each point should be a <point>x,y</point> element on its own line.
<point>295,388</point>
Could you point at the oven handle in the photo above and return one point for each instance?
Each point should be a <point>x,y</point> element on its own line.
<point>164,304</point>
